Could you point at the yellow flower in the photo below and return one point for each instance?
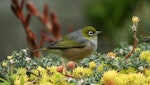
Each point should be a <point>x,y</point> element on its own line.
<point>21,80</point>
<point>113,78</point>
<point>9,57</point>
<point>21,70</point>
<point>111,54</point>
<point>92,65</point>
<point>42,70</point>
<point>101,67</point>
<point>45,79</point>
<point>20,77</point>
<point>145,55</point>
<point>51,69</point>
<point>148,80</point>
<point>78,72</point>
<point>58,79</point>
<point>137,49</point>
<point>123,71</point>
<point>17,81</point>
<point>135,19</point>
<point>45,83</point>
<point>39,68</point>
<point>121,79</point>
<point>131,78</point>
<point>147,72</point>
<point>131,70</point>
<point>4,63</point>
<point>109,77</point>
<point>136,79</point>
<point>82,72</point>
<point>33,77</point>
<point>87,72</point>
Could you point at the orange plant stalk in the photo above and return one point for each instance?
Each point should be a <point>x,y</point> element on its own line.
<point>48,19</point>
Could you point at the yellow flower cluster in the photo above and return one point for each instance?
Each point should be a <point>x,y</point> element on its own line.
<point>50,75</point>
<point>20,77</point>
<point>100,67</point>
<point>82,72</point>
<point>145,55</point>
<point>131,70</point>
<point>128,70</point>
<point>40,76</point>
<point>112,77</point>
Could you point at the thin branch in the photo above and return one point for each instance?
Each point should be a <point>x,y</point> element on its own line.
<point>134,27</point>
<point>134,46</point>
<point>38,77</point>
<point>67,75</point>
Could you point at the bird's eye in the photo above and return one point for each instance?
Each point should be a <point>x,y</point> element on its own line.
<point>90,33</point>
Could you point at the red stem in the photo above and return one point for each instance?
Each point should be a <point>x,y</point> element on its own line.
<point>49,20</point>
<point>134,46</point>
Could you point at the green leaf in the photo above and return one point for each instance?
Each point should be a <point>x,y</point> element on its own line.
<point>5,82</point>
<point>22,80</point>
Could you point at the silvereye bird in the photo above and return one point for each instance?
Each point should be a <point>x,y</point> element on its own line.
<point>76,45</point>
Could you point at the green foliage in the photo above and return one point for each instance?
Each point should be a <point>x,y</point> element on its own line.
<point>110,14</point>
<point>19,69</point>
<point>112,17</point>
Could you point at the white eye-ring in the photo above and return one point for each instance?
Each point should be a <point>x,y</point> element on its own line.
<point>91,33</point>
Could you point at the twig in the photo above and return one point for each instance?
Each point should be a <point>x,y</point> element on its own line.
<point>34,74</point>
<point>33,81</point>
<point>25,20</point>
<point>67,75</point>
<point>134,46</point>
<point>38,77</point>
<point>134,27</point>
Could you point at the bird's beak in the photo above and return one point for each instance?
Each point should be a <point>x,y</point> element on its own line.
<point>98,32</point>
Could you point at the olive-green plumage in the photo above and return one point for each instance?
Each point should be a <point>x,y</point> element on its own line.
<point>76,45</point>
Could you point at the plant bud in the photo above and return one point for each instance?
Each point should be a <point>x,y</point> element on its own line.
<point>135,19</point>
<point>60,68</point>
<point>71,64</point>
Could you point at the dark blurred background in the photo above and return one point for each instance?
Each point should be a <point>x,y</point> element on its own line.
<point>113,17</point>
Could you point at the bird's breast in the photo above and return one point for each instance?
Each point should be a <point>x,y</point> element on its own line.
<point>78,53</point>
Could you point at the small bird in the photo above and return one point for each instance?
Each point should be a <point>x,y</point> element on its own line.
<point>76,45</point>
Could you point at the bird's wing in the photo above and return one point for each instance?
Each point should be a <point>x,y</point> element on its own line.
<point>66,43</point>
